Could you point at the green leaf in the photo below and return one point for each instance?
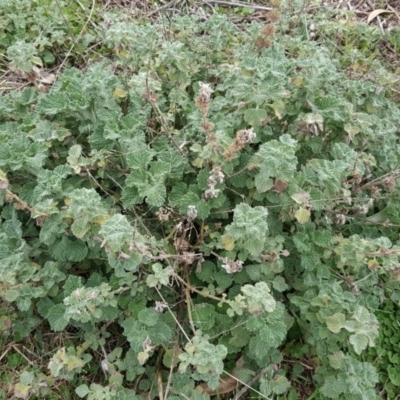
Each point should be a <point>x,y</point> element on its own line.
<point>255,246</point>
<point>53,227</point>
<point>327,174</point>
<point>148,317</point>
<point>12,228</point>
<point>335,322</point>
<point>255,116</point>
<point>26,378</point>
<point>240,337</point>
<point>82,391</point>
<point>68,250</point>
<point>109,313</point>
<point>130,197</point>
<point>279,284</point>
<point>263,183</point>
<point>80,227</point>
<point>278,385</point>
<point>117,232</point>
<point>258,298</point>
<point>336,360</point>
<point>11,295</point>
<point>204,316</point>
<point>74,156</point>
<point>43,306</point>
<point>154,194</point>
<point>276,159</point>
<point>322,238</point>
<point>183,197</point>
<point>332,388</point>
<point>161,276</point>
<point>249,228</point>
<point>310,261</point>
<point>273,333</point>
<point>72,283</point>
<point>56,317</point>
<point>22,56</point>
<point>87,204</point>
<point>139,160</point>
<point>359,343</point>
<point>53,103</point>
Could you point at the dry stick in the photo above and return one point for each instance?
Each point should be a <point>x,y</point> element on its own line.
<point>381,26</point>
<point>389,224</point>
<point>9,347</point>
<point>78,37</point>
<point>161,116</point>
<point>238,4</point>
<point>394,11</point>
<point>173,316</point>
<point>133,208</point>
<point>22,354</point>
<point>105,191</point>
<point>201,293</point>
<point>215,298</point>
<point>24,204</point>
<point>246,388</point>
<point>299,362</point>
<point>164,125</point>
<point>65,21</point>
<point>247,385</point>
<point>160,386</point>
<point>377,181</point>
<point>168,387</point>
<point>189,308</point>
<point>91,22</point>
<point>164,7</point>
<point>105,370</point>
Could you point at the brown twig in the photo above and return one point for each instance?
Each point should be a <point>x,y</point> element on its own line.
<point>171,368</point>
<point>239,4</point>
<point>164,7</point>
<point>22,354</point>
<point>247,385</point>
<point>75,41</point>
<point>244,389</point>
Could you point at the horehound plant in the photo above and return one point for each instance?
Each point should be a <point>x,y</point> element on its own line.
<point>206,213</point>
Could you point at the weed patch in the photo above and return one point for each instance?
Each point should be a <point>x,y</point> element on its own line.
<point>211,210</point>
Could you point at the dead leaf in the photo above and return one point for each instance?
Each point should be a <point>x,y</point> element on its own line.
<point>43,76</point>
<point>375,13</point>
<point>279,186</point>
<point>302,215</point>
<point>301,197</point>
<point>47,78</point>
<point>142,357</point>
<point>226,385</point>
<point>228,242</point>
<point>119,93</point>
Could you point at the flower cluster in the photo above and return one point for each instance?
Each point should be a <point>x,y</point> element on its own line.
<point>242,138</point>
<point>263,41</point>
<point>231,266</point>
<point>191,213</point>
<point>217,176</point>
<point>203,99</point>
<point>163,214</point>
